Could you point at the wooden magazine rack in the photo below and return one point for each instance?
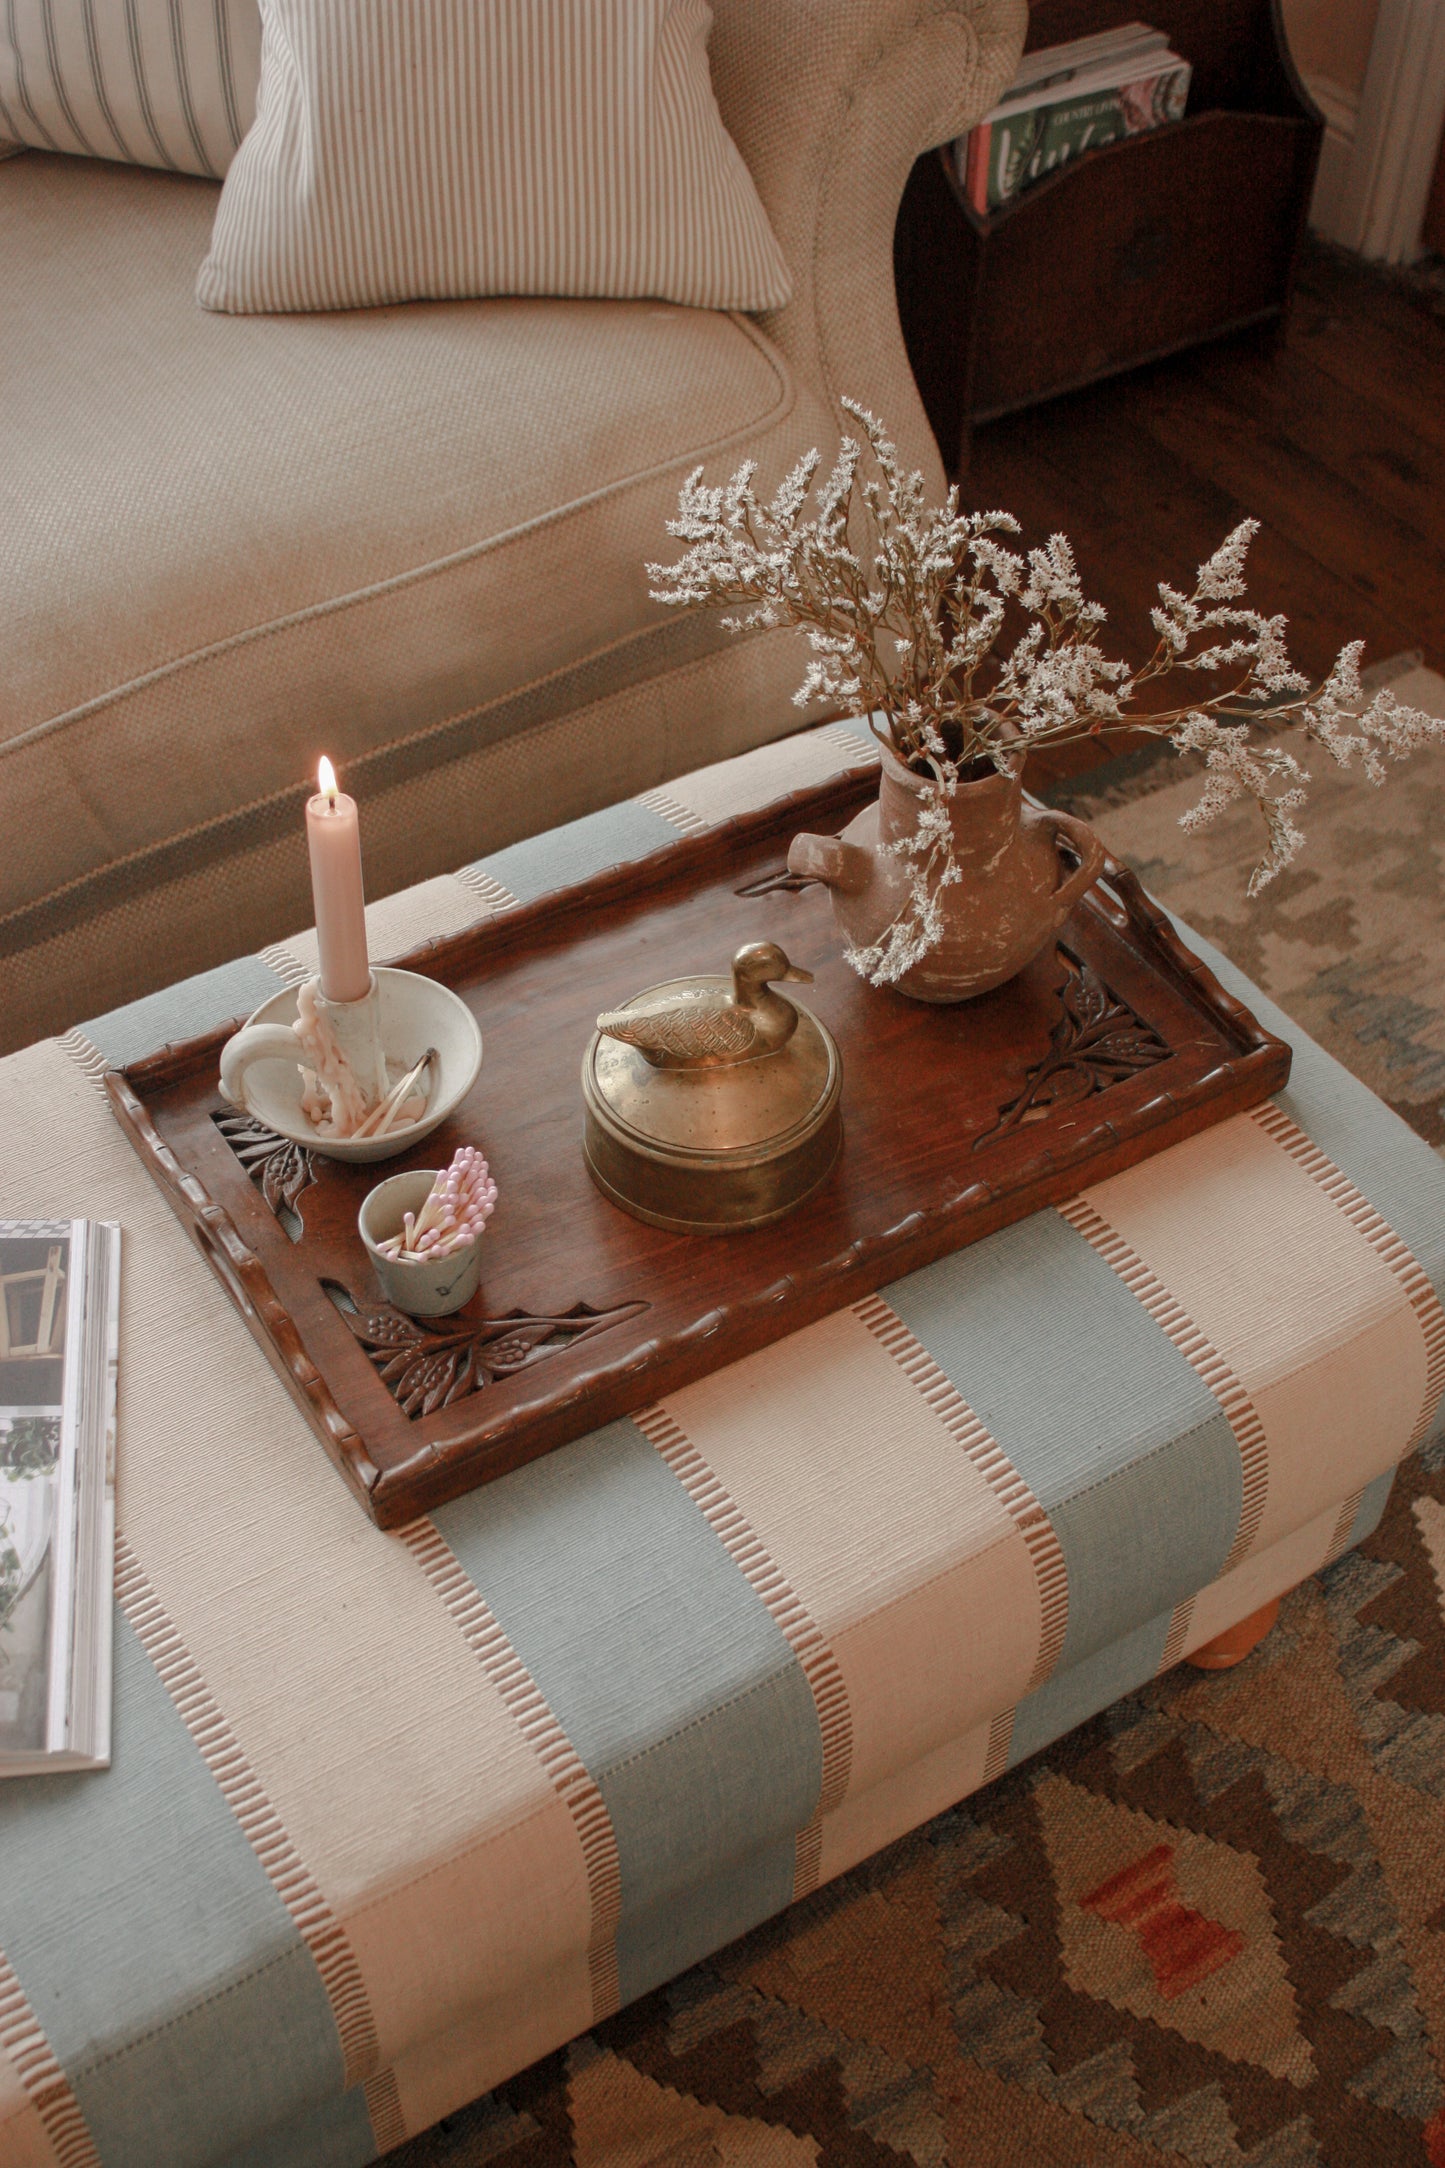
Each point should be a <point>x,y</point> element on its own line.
<point>1126,254</point>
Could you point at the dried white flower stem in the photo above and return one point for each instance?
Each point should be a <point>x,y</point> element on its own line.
<point>904,607</point>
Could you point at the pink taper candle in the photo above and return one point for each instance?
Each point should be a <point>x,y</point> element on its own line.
<point>334,834</point>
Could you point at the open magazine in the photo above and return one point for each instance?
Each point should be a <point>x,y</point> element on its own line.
<point>59,1332</point>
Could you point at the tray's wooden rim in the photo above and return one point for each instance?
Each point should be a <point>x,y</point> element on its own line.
<point>215,1235</point>
<point>611,1389</point>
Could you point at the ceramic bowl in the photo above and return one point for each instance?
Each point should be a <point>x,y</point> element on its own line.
<point>415,1013</point>
<point>422,1286</point>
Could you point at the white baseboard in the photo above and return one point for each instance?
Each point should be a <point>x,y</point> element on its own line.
<point>1379,151</point>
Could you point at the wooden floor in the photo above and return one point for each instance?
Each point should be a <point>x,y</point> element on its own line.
<point>1333,437</point>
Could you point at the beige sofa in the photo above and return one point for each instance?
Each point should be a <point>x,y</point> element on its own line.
<point>413,537</point>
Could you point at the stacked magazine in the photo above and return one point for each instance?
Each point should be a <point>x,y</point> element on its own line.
<point>59,1323</point>
<point>1067,99</point>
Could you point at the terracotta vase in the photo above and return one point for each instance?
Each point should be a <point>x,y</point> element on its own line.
<point>1014,895</point>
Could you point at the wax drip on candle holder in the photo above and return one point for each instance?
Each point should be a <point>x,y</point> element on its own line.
<point>336,1099</point>
<point>456,1210</point>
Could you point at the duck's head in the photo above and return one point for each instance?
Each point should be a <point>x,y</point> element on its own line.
<point>763,963</point>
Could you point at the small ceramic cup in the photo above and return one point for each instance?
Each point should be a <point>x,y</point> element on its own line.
<point>422,1286</point>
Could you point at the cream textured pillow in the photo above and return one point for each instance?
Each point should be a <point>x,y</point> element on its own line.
<point>151,82</point>
<point>413,149</point>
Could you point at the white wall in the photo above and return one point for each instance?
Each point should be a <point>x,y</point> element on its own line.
<point>1330,39</point>
<point>1376,69</point>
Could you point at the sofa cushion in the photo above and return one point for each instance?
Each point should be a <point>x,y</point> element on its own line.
<point>167,83</point>
<point>229,544</point>
<point>461,147</point>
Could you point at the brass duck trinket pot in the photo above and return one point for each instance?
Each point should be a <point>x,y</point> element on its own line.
<point>713,1103</point>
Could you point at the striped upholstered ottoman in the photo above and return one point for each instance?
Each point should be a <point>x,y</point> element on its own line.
<point>389,1817</point>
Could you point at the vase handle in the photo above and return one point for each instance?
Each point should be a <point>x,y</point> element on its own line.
<point>1091,853</point>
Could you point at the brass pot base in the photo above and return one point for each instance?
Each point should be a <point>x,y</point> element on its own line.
<point>722,1198</point>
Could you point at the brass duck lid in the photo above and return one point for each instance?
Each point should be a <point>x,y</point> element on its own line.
<point>712,1102</point>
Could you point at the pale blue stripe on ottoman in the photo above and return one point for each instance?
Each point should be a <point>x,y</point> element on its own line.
<point>1081,1690</point>
<point>561,856</point>
<point>735,1896</point>
<point>1085,1688</point>
<point>1373,1500</point>
<point>183,1011</point>
<point>181,2002</point>
<point>667,1673</point>
<point>337,2135</point>
<point>1126,1449</point>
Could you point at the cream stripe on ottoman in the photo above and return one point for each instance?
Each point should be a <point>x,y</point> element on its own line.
<point>1386,1243</point>
<point>553,1749</point>
<point>390,1818</point>
<point>440,148</point>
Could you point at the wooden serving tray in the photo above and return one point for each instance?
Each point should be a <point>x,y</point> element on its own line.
<point>1115,1043</point>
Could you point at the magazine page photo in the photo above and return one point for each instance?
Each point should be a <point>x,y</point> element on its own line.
<point>33,1274</point>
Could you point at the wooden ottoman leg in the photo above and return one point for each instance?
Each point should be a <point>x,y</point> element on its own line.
<point>1232,1646</point>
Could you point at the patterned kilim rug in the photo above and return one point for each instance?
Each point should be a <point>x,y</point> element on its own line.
<point>1209,1927</point>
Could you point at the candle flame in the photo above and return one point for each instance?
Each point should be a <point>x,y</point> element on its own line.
<point>326,779</point>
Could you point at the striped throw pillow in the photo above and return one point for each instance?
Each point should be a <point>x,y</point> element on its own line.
<point>413,149</point>
<point>152,82</point>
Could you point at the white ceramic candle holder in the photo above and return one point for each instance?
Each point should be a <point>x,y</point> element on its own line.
<point>422,1286</point>
<point>402,1016</point>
